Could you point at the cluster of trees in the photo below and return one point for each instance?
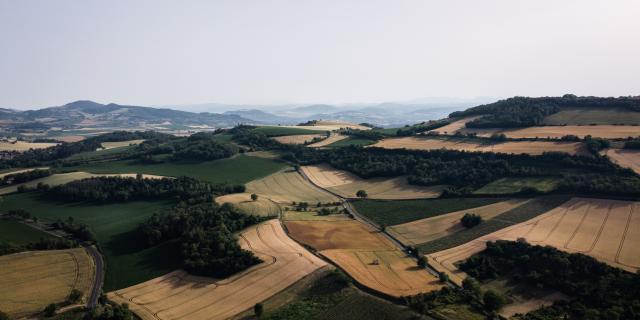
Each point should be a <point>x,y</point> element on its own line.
<point>597,291</point>
<point>363,134</point>
<point>632,144</point>
<point>470,220</point>
<point>41,244</point>
<point>600,184</point>
<point>422,127</point>
<point>200,146</point>
<point>115,189</point>
<point>21,177</point>
<point>525,111</point>
<point>77,230</point>
<point>255,140</point>
<point>205,232</point>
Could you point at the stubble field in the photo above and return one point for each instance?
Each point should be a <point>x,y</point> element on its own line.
<point>179,295</point>
<point>261,207</point>
<point>288,186</point>
<point>297,139</point>
<point>626,158</point>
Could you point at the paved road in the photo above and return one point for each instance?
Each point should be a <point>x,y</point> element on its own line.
<point>98,282</point>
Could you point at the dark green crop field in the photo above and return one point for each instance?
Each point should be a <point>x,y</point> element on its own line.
<point>19,233</point>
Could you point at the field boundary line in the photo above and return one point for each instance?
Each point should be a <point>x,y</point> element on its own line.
<point>604,222</point>
<point>624,235</point>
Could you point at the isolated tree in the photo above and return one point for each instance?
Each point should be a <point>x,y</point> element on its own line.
<point>471,286</point>
<point>50,310</point>
<point>254,197</point>
<point>493,301</point>
<point>258,309</point>
<point>74,296</point>
<point>470,220</point>
<point>361,194</point>
<point>444,278</point>
<point>422,262</point>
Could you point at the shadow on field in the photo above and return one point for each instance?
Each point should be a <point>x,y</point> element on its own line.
<point>127,243</point>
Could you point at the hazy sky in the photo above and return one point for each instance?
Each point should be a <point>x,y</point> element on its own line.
<point>180,52</point>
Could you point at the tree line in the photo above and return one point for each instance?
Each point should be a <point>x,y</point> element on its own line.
<point>596,290</point>
<point>16,178</point>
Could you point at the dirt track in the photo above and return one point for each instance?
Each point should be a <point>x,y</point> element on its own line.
<point>604,229</point>
<point>179,295</point>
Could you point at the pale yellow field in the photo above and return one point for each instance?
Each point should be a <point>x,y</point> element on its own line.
<point>179,295</point>
<point>111,145</point>
<point>515,147</point>
<point>297,139</point>
<point>288,186</point>
<point>625,158</point>
<point>604,229</point>
<point>62,178</point>
<point>601,131</point>
<point>261,207</point>
<point>346,184</point>
<point>425,230</point>
<point>2,175</point>
<point>331,139</point>
<point>454,126</point>
<point>70,138</point>
<point>21,146</point>
<point>32,280</point>
<point>355,249</point>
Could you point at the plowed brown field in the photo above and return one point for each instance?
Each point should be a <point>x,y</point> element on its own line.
<point>366,255</point>
<point>179,295</point>
<point>32,280</point>
<point>604,229</point>
<point>515,147</point>
<point>346,184</point>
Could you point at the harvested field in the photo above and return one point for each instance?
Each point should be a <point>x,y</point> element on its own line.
<point>627,158</point>
<point>111,145</point>
<point>62,178</point>
<point>555,132</point>
<point>463,144</point>
<point>429,229</point>
<point>454,126</point>
<point>331,139</point>
<point>288,186</point>
<point>179,295</point>
<point>346,184</point>
<point>298,139</point>
<point>2,175</point>
<point>603,229</point>
<point>21,146</point>
<point>69,138</point>
<point>261,207</point>
<point>355,248</point>
<point>32,280</point>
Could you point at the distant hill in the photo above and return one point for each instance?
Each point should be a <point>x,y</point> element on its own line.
<point>85,114</point>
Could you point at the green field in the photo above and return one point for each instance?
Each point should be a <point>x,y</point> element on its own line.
<point>515,185</point>
<point>593,115</point>
<point>351,142</point>
<point>100,154</point>
<point>516,215</point>
<point>286,131</point>
<point>240,169</point>
<point>127,263</point>
<point>389,132</point>
<point>18,233</point>
<point>401,211</point>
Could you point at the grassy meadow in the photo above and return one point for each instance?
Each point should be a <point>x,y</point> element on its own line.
<point>113,224</point>
<point>515,185</point>
<point>18,233</point>
<point>351,142</point>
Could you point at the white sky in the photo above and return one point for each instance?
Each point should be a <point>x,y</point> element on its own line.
<point>179,52</point>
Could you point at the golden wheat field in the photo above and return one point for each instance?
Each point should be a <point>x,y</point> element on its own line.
<point>117,144</point>
<point>334,137</point>
<point>297,139</point>
<point>515,147</point>
<point>32,280</point>
<point>555,132</point>
<point>604,229</point>
<point>454,126</point>
<point>62,178</point>
<point>627,158</point>
<point>366,255</point>
<point>425,230</point>
<point>179,295</point>
<point>24,145</point>
<point>261,207</point>
<point>347,185</point>
<point>288,186</point>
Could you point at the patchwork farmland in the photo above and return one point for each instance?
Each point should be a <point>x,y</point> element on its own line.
<point>366,255</point>
<point>288,186</point>
<point>39,278</point>
<point>347,185</point>
<point>178,295</point>
<point>627,158</point>
<point>603,229</point>
<point>298,139</point>
<point>260,207</point>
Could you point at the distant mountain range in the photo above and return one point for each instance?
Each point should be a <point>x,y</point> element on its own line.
<point>90,116</point>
